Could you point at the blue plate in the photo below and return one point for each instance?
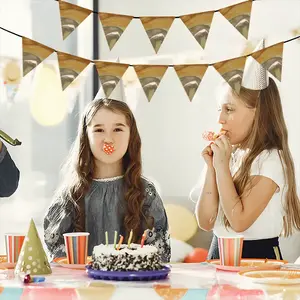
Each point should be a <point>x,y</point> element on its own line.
<point>128,275</point>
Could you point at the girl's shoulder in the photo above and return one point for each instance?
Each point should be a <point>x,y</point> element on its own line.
<point>270,158</point>
<point>149,187</point>
<point>269,164</point>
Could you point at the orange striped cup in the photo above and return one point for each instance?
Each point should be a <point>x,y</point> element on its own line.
<point>76,247</point>
<point>13,245</point>
<point>230,250</point>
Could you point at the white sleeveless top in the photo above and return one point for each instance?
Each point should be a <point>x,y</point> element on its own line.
<point>270,223</point>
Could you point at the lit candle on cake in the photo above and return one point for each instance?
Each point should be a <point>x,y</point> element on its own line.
<point>115,239</point>
<point>130,238</point>
<point>120,242</point>
<point>106,238</point>
<point>143,238</point>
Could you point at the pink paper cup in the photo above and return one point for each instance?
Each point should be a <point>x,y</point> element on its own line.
<point>230,250</point>
<point>13,245</point>
<point>76,247</point>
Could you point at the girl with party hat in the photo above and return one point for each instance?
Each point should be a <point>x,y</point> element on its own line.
<point>104,191</point>
<point>249,187</point>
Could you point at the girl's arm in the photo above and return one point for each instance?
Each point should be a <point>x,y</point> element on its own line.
<point>58,220</point>
<point>159,235</point>
<point>208,202</point>
<point>267,176</point>
<point>242,214</point>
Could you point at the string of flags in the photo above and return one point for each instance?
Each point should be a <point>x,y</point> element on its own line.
<point>150,76</point>
<point>157,27</point>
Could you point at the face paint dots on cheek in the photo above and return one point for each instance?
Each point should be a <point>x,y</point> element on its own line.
<point>108,149</point>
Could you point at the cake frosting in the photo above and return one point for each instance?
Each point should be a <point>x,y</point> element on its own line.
<point>135,258</point>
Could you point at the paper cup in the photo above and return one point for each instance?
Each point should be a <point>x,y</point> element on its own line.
<point>230,250</point>
<point>13,245</point>
<point>76,247</point>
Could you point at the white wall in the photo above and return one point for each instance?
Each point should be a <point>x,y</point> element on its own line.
<point>170,125</point>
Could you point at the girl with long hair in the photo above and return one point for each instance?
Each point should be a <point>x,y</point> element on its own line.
<point>103,188</point>
<point>249,185</point>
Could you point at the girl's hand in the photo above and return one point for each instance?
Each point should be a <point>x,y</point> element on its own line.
<point>222,150</point>
<point>207,154</point>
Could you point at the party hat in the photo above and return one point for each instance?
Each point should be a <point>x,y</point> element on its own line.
<point>255,76</point>
<point>32,259</point>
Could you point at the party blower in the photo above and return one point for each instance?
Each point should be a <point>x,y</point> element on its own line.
<point>8,139</point>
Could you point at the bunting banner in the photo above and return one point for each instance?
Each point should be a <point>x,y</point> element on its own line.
<point>239,16</point>
<point>110,74</point>
<point>33,54</point>
<point>71,17</point>
<point>232,71</point>
<point>114,26</point>
<point>157,29</point>
<point>199,26</point>
<point>271,59</point>
<point>190,77</point>
<point>70,67</point>
<point>150,78</point>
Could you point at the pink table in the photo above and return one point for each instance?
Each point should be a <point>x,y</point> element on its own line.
<point>186,282</point>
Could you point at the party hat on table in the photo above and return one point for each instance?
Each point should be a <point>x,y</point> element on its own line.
<point>33,259</point>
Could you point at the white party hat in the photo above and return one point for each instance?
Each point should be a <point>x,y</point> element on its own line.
<point>255,76</point>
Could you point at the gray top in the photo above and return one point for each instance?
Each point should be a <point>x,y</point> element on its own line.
<point>105,209</point>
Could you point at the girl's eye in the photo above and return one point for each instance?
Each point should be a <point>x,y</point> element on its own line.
<point>118,129</point>
<point>99,130</point>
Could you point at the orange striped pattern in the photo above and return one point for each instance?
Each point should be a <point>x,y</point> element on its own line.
<point>230,250</point>
<point>13,244</point>
<point>76,248</point>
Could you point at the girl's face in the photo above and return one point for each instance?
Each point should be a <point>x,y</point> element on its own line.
<point>111,128</point>
<point>236,118</point>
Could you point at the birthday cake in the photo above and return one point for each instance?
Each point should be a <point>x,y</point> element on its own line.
<point>133,258</point>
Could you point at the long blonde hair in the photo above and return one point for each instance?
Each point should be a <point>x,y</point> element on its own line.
<point>268,132</point>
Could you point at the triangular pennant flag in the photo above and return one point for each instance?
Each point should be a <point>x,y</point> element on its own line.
<point>157,28</point>
<point>239,16</point>
<point>110,74</point>
<point>33,259</point>
<point>114,26</point>
<point>232,71</point>
<point>150,77</point>
<point>190,77</point>
<point>33,54</point>
<point>199,25</point>
<point>271,59</point>
<point>70,67</point>
<point>71,17</point>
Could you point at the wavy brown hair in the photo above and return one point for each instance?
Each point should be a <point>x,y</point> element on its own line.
<point>80,168</point>
<point>268,132</point>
